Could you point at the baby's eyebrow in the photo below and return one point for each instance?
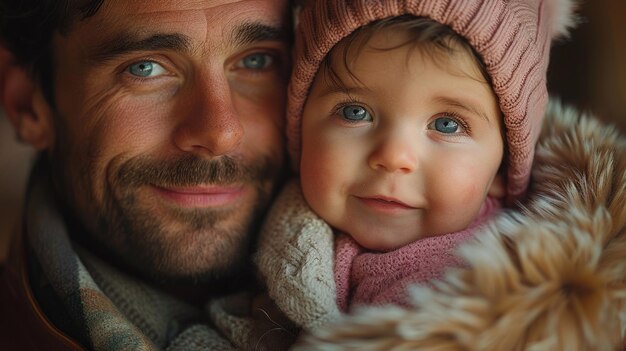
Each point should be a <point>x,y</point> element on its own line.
<point>463,105</point>
<point>332,89</point>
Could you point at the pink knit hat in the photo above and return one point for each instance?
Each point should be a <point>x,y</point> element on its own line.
<point>513,38</point>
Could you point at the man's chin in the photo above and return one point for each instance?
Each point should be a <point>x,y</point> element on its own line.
<point>194,258</point>
<point>181,245</point>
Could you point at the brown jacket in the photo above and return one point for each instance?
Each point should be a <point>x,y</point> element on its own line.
<point>23,325</point>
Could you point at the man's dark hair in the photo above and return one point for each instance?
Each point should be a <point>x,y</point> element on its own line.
<point>27,26</point>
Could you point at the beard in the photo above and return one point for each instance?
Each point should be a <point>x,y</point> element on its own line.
<point>169,244</point>
<point>182,244</point>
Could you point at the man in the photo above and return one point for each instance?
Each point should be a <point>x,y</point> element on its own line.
<point>159,130</point>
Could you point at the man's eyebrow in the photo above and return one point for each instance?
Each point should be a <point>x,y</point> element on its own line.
<point>464,106</point>
<point>128,43</point>
<point>249,33</point>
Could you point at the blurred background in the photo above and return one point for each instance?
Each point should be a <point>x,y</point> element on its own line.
<point>587,70</point>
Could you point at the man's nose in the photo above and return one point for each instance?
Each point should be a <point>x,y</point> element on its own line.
<point>210,125</point>
<point>395,152</point>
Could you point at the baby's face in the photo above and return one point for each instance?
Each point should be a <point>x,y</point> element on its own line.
<point>410,149</point>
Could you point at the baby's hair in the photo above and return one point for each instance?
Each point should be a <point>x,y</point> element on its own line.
<point>424,34</point>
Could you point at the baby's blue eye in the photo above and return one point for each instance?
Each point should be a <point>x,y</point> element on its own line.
<point>256,61</point>
<point>145,69</point>
<point>446,125</point>
<point>355,113</point>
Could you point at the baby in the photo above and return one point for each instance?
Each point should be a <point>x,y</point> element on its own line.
<point>410,123</point>
<point>402,145</point>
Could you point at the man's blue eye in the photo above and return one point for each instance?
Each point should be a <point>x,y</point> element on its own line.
<point>446,125</point>
<point>256,61</point>
<point>145,69</point>
<point>355,113</point>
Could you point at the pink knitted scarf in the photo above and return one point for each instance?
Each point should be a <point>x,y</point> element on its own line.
<point>378,278</point>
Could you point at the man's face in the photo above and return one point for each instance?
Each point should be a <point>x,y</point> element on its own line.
<point>168,120</point>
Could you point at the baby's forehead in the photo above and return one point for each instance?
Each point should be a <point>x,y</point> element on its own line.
<point>416,35</point>
<point>344,63</point>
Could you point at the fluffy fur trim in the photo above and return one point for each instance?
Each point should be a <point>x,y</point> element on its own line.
<point>549,275</point>
<point>562,16</point>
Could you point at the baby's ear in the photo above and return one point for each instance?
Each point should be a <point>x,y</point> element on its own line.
<point>498,187</point>
<point>26,108</point>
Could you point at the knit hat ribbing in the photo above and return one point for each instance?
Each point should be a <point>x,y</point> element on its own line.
<point>513,38</point>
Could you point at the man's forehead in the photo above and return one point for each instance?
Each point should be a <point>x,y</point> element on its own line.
<point>215,18</point>
<point>155,6</point>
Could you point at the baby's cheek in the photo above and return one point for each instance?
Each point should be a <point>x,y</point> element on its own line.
<point>316,185</point>
<point>461,198</point>
<point>320,172</point>
<point>470,181</point>
<point>471,193</point>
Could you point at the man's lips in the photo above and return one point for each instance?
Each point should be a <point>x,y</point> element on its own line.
<point>201,196</point>
<point>384,203</point>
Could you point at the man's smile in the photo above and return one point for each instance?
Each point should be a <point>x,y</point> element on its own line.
<point>201,196</point>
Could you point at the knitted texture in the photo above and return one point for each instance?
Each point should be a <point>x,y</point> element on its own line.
<point>295,259</point>
<point>113,310</point>
<point>374,278</point>
<point>512,37</point>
